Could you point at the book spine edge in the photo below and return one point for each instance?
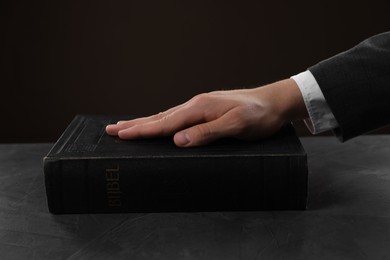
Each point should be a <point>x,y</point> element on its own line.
<point>52,175</point>
<point>82,170</point>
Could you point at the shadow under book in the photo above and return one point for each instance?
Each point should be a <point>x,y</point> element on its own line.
<point>88,171</point>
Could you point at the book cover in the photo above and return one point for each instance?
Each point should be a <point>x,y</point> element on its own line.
<point>88,171</point>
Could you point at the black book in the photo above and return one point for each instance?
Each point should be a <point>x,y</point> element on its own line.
<point>88,171</point>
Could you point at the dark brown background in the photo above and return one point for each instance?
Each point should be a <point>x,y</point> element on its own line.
<point>59,59</point>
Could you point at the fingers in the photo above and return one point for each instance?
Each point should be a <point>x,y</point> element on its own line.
<point>205,118</point>
<point>164,125</point>
<point>113,129</point>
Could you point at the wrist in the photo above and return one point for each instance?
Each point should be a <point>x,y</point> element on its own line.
<point>294,107</point>
<point>286,100</point>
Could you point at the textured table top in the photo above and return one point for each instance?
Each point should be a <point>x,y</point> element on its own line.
<point>348,215</point>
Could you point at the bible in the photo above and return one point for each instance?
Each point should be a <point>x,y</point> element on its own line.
<point>88,171</point>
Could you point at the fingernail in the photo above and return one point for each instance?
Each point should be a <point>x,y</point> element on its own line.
<point>182,138</point>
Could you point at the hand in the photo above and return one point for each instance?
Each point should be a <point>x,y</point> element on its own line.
<point>245,114</point>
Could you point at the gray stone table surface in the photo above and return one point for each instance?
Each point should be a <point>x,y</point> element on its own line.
<point>348,215</point>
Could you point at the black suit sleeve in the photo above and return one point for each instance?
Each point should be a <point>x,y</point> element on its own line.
<point>356,86</point>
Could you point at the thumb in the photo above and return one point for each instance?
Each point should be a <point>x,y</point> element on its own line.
<point>204,133</point>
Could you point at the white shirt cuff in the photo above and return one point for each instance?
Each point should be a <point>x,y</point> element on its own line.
<point>321,117</point>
